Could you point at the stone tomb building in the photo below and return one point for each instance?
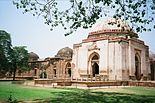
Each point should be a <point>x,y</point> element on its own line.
<point>112,52</point>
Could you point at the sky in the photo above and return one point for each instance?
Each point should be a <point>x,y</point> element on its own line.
<point>27,30</point>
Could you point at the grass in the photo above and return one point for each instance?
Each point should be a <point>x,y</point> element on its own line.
<point>21,92</point>
<point>53,95</point>
<point>145,91</point>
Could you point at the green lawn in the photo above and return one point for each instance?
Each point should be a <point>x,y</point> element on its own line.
<point>53,95</point>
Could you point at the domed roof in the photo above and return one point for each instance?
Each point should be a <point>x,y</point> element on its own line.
<point>33,56</point>
<point>110,29</point>
<point>111,24</point>
<point>65,53</point>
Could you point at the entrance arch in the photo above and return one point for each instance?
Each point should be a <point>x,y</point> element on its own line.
<point>152,67</point>
<point>137,67</point>
<point>94,62</point>
<point>95,69</point>
<point>68,69</point>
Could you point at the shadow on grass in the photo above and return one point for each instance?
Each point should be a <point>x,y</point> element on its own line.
<point>87,96</point>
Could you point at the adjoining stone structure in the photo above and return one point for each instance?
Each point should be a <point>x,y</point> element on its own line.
<point>152,66</point>
<point>58,67</point>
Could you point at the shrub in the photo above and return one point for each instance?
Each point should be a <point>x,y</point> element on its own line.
<point>11,100</point>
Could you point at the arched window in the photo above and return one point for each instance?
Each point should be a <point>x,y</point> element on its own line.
<point>68,69</point>
<point>152,67</point>
<point>35,71</point>
<point>54,72</point>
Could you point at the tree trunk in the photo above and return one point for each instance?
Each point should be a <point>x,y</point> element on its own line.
<point>14,71</point>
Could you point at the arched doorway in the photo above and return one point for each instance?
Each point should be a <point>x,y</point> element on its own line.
<point>137,67</point>
<point>94,64</point>
<point>68,69</point>
<point>54,72</point>
<point>69,72</point>
<point>35,72</point>
<point>95,69</point>
<point>152,67</point>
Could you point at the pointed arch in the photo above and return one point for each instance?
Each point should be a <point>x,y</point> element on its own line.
<point>94,63</point>
<point>137,66</point>
<point>94,56</point>
<point>68,69</point>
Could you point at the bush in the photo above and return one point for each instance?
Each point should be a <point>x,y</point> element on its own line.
<point>11,100</point>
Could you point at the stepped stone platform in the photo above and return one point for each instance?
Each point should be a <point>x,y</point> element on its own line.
<point>68,82</point>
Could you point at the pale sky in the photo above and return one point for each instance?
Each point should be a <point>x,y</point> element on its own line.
<point>30,31</point>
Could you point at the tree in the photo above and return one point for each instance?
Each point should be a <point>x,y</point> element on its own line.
<point>19,59</point>
<point>84,13</point>
<point>5,50</point>
<point>11,58</point>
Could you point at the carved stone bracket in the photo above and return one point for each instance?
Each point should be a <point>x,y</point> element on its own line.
<point>93,47</point>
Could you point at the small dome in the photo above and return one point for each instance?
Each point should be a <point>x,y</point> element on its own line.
<point>111,24</point>
<point>65,53</point>
<point>33,56</point>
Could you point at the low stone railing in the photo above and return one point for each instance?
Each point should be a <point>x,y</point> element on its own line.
<point>142,83</point>
<point>86,83</point>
